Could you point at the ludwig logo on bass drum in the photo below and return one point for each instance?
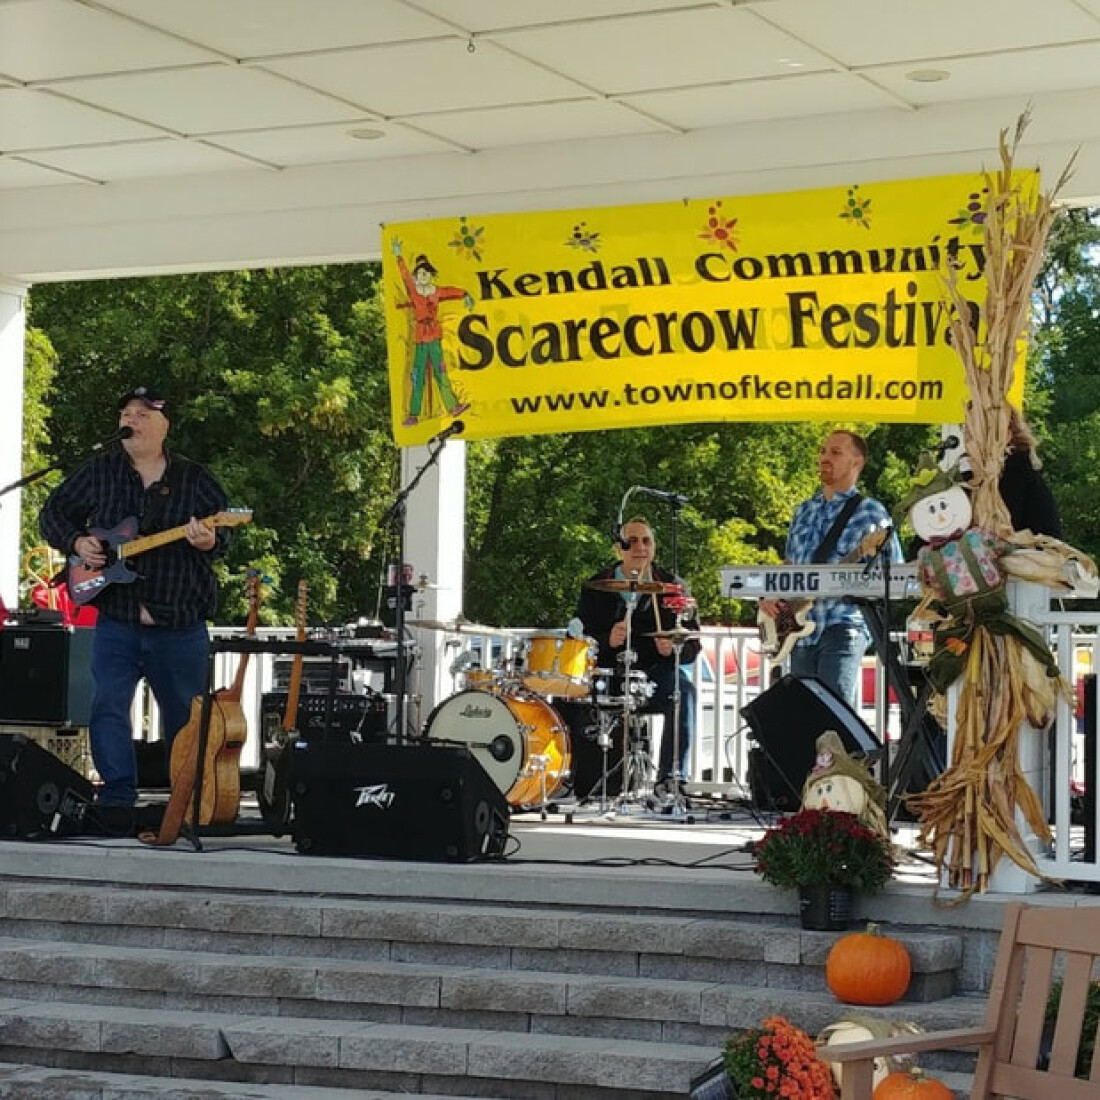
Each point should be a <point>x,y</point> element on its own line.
<point>378,794</point>
<point>472,710</point>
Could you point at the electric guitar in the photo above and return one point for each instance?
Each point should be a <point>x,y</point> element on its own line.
<point>86,583</point>
<point>273,791</point>
<point>792,617</point>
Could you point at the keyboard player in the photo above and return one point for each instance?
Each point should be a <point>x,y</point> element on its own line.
<point>830,527</point>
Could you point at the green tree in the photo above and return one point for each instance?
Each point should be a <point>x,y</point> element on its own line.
<point>276,379</point>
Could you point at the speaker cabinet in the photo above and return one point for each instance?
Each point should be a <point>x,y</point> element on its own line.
<point>45,675</point>
<point>431,802</point>
<point>39,794</point>
<point>786,721</point>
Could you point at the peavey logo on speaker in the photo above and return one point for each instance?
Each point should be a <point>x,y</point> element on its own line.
<point>474,710</point>
<point>378,794</point>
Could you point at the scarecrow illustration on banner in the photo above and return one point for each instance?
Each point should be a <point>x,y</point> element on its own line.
<point>427,357</point>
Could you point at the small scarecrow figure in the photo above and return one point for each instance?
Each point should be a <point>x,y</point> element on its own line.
<point>841,783</point>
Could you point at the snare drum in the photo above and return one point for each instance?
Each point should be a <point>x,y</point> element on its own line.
<point>607,688</point>
<point>517,739</point>
<point>555,664</point>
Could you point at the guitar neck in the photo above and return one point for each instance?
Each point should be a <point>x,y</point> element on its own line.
<point>151,542</point>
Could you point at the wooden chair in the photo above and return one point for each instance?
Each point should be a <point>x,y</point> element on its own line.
<point>1037,946</point>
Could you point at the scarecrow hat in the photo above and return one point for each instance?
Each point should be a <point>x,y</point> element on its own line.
<point>928,480</point>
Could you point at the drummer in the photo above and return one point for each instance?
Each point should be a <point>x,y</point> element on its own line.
<point>604,617</point>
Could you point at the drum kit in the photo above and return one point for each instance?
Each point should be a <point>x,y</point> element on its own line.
<point>506,716</point>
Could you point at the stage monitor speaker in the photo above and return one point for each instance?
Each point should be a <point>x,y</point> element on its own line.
<point>431,802</point>
<point>40,795</point>
<point>45,675</point>
<point>786,721</point>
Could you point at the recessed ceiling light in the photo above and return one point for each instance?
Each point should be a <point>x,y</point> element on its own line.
<point>366,133</point>
<point>928,76</point>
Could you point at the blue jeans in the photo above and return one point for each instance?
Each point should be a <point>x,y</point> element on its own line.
<point>835,659</point>
<point>660,702</point>
<point>174,662</point>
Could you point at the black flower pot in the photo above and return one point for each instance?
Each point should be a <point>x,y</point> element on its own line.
<point>713,1083</point>
<point>825,908</point>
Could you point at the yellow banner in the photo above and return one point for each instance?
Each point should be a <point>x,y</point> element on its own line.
<point>811,305</point>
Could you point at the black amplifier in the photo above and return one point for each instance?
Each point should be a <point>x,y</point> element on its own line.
<point>339,717</point>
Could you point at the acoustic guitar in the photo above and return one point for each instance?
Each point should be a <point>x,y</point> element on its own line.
<point>227,731</point>
<point>86,583</point>
<point>792,621</point>
<point>273,792</point>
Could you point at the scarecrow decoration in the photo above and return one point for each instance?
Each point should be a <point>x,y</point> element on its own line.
<point>841,783</point>
<point>1005,673</point>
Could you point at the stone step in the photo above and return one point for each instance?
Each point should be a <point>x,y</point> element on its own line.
<point>344,1053</point>
<point>25,1082</point>
<point>492,936</point>
<point>659,1009</point>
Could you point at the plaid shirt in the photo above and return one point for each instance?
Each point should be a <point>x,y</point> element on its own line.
<point>175,581</point>
<point>811,523</point>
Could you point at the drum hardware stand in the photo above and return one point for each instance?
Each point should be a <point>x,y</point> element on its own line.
<point>636,760</point>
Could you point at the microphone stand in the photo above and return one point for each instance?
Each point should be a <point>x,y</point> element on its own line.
<point>396,514</point>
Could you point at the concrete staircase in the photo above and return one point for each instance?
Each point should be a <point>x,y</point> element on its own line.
<point>148,988</point>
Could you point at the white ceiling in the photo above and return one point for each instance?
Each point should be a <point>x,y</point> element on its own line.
<point>153,135</point>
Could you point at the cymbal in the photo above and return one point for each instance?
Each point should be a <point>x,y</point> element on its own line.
<point>677,634</point>
<point>614,584</point>
<point>456,626</point>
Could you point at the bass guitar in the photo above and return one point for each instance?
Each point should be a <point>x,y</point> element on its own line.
<point>792,620</point>
<point>220,767</point>
<point>86,583</point>
<point>273,791</point>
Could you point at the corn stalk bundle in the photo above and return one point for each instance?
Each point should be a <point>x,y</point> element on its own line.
<point>969,814</point>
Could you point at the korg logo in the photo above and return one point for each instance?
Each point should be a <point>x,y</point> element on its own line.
<point>377,795</point>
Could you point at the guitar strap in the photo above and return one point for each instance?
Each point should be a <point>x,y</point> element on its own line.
<point>832,536</point>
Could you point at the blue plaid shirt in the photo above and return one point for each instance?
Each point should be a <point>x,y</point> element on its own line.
<point>811,522</point>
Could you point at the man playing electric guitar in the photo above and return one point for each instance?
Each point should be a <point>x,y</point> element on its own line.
<point>830,527</point>
<point>154,626</point>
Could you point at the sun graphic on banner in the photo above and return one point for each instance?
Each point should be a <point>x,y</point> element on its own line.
<point>719,229</point>
<point>584,239</point>
<point>467,241</point>
<point>857,210</point>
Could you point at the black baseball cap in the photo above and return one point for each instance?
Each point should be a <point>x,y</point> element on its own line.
<point>150,395</point>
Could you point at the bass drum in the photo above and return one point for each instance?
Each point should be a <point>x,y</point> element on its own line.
<point>516,738</point>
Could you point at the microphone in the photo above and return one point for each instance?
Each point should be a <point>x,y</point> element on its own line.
<point>661,494</point>
<point>948,443</point>
<point>122,433</point>
<point>451,429</point>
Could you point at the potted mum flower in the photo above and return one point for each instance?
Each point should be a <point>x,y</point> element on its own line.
<point>828,856</point>
<point>774,1060</point>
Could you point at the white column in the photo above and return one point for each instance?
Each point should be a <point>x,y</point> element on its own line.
<point>13,323</point>
<point>435,541</point>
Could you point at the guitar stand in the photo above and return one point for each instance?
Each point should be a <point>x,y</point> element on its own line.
<point>192,829</point>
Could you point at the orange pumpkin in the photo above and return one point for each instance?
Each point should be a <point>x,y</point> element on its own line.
<point>913,1084</point>
<point>867,968</point>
